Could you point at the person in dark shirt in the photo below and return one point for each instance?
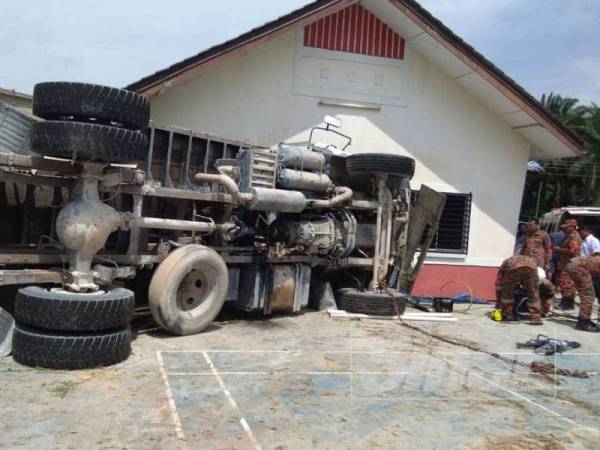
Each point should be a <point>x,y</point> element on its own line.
<point>520,236</point>
<point>556,239</point>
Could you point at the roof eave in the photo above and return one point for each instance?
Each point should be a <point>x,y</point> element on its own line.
<point>488,71</point>
<point>153,84</point>
<point>188,68</point>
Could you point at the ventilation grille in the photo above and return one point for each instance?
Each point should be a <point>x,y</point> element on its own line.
<point>258,169</point>
<point>354,30</point>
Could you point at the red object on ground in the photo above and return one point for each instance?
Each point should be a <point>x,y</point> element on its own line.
<point>433,277</point>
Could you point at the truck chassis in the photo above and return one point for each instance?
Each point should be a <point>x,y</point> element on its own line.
<point>204,220</point>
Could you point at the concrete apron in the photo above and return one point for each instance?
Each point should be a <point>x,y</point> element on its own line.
<point>308,381</point>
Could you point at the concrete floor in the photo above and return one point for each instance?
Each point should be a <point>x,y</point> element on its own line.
<point>309,381</point>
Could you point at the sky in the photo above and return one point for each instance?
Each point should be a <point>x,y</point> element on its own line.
<point>545,45</point>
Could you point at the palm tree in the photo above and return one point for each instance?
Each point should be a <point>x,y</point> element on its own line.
<point>568,181</point>
<point>562,174</point>
<point>566,109</point>
<point>589,164</point>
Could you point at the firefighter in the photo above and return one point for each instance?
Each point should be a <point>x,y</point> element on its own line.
<point>569,249</point>
<point>584,271</point>
<point>536,244</point>
<point>514,271</point>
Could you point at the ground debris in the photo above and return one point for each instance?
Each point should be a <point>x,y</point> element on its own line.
<point>520,442</point>
<point>448,339</point>
<point>545,368</point>
<point>62,389</point>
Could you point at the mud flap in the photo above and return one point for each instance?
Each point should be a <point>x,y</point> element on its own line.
<point>7,325</point>
<point>422,226</point>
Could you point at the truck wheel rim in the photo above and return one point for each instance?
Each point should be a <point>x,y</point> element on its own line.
<point>193,289</point>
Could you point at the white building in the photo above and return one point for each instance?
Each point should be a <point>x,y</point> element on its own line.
<point>402,82</point>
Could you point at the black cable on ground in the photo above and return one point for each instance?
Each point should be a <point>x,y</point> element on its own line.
<point>539,367</point>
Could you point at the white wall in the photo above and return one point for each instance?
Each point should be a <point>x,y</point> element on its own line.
<point>459,144</point>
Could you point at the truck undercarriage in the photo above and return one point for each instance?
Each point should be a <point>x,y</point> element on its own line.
<point>205,220</point>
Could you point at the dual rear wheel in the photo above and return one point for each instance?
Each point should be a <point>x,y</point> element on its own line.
<point>88,122</point>
<point>59,329</point>
<point>368,165</point>
<point>56,328</point>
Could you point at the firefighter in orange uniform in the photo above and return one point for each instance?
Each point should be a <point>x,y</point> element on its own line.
<point>519,270</point>
<point>569,249</point>
<point>584,270</point>
<point>536,244</point>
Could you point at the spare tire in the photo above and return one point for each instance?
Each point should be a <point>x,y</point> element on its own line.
<point>83,101</point>
<point>360,164</point>
<point>111,307</point>
<point>88,142</point>
<point>64,350</point>
<point>373,303</point>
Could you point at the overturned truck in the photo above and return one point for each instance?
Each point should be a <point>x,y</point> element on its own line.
<point>98,205</point>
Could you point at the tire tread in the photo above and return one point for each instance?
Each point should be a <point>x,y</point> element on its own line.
<point>364,302</point>
<point>57,99</point>
<point>59,350</point>
<point>368,163</point>
<point>88,142</point>
<point>34,306</point>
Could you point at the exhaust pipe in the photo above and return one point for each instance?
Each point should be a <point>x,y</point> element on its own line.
<point>343,195</point>
<point>228,183</point>
<point>274,199</point>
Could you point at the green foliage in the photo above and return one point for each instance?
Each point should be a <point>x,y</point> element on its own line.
<point>569,181</point>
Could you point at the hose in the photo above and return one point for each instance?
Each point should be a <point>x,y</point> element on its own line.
<point>227,182</point>
<point>343,195</point>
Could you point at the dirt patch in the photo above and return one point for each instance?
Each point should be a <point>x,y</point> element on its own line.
<point>64,388</point>
<point>517,408</point>
<point>520,442</point>
<point>61,390</point>
<point>334,364</point>
<point>592,410</point>
<point>546,370</point>
<point>551,369</point>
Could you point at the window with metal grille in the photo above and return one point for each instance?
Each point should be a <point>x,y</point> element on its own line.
<point>453,231</point>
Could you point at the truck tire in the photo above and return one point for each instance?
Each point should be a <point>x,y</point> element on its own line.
<point>374,303</point>
<point>88,142</point>
<point>111,307</point>
<point>65,350</point>
<point>82,101</point>
<point>361,164</point>
<point>188,289</point>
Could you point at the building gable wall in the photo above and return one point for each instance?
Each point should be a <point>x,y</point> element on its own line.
<point>459,144</point>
